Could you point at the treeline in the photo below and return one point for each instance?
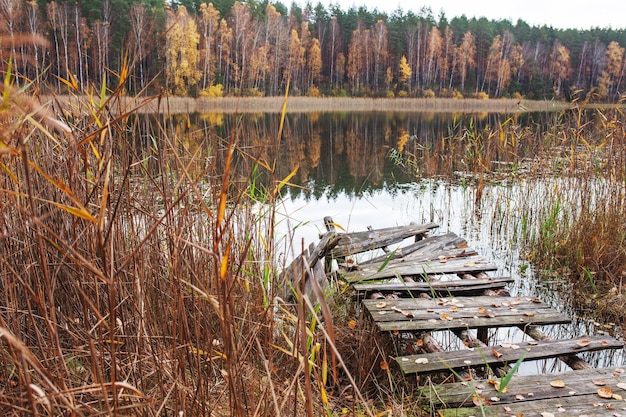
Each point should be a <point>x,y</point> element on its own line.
<point>255,48</point>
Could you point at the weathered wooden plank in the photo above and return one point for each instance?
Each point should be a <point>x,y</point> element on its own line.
<point>357,242</point>
<point>541,318</point>
<point>293,274</point>
<point>425,247</point>
<point>572,406</point>
<point>413,314</point>
<point>401,267</point>
<point>491,315</point>
<point>573,361</point>
<point>446,303</point>
<point>417,258</point>
<point>581,382</point>
<point>502,354</point>
<point>458,286</point>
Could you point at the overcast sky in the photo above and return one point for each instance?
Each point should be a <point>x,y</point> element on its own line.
<point>561,14</point>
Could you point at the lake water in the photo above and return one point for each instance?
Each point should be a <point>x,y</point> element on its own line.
<point>383,169</point>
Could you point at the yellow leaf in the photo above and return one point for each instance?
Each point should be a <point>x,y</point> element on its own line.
<point>557,383</point>
<point>94,150</point>
<point>605,392</point>
<point>337,225</point>
<point>78,212</point>
<point>324,395</point>
<point>286,180</point>
<point>224,266</point>
<point>324,369</point>
<point>197,351</point>
<point>59,185</point>
<point>283,112</point>
<point>71,83</point>
<point>124,71</point>
<point>222,207</point>
<point>9,173</point>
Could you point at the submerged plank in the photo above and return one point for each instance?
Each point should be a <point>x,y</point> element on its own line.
<point>504,354</point>
<point>459,265</point>
<point>579,382</point>
<point>415,314</point>
<point>357,242</point>
<point>458,286</point>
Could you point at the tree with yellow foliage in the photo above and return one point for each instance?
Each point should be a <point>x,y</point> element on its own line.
<point>405,70</point>
<point>314,62</point>
<point>466,57</point>
<point>561,67</point>
<point>181,52</point>
<point>295,60</point>
<point>615,68</point>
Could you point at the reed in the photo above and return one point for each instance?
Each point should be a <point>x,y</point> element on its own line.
<point>137,274</point>
<point>568,208</point>
<point>573,214</point>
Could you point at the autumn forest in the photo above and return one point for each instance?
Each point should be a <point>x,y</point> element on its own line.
<point>257,48</point>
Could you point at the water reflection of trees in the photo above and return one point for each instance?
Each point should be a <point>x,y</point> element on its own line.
<point>360,152</point>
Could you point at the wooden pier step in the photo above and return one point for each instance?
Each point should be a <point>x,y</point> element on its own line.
<point>416,314</point>
<point>504,354</point>
<point>419,268</point>
<point>532,395</point>
<point>357,242</point>
<point>455,287</point>
<point>432,265</point>
<point>431,247</point>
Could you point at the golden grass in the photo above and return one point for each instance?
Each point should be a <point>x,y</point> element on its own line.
<point>137,274</point>
<point>174,105</point>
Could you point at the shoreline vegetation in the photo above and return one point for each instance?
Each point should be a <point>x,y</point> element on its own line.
<point>139,277</point>
<point>174,105</point>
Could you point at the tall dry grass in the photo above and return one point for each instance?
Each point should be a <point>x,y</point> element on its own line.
<point>578,231</point>
<point>569,213</point>
<point>137,274</point>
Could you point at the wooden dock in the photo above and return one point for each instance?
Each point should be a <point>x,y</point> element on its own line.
<point>437,283</point>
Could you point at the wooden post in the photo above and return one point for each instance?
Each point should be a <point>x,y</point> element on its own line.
<point>482,333</point>
<point>472,342</point>
<point>329,224</point>
<point>572,361</point>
